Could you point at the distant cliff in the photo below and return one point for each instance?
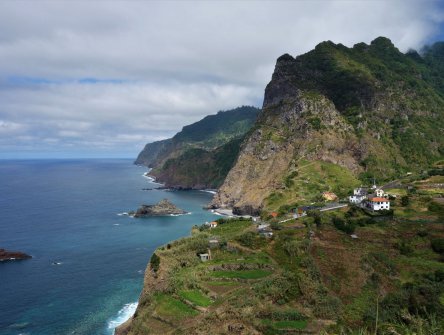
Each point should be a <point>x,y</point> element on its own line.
<point>200,155</point>
<point>336,114</point>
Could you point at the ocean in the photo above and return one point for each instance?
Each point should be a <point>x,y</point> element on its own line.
<point>88,262</point>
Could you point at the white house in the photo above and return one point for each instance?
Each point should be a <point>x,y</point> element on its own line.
<point>263,226</point>
<point>359,195</point>
<point>205,257</point>
<point>379,192</point>
<point>378,204</point>
<point>213,224</point>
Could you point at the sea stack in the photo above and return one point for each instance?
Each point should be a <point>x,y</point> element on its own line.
<point>162,208</point>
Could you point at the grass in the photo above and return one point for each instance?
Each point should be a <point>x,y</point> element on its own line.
<point>196,297</point>
<point>312,179</point>
<point>220,257</point>
<point>397,191</point>
<point>230,228</point>
<point>222,283</point>
<point>173,308</point>
<point>286,324</point>
<point>242,274</point>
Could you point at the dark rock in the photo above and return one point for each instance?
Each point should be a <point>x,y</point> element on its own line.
<point>164,207</point>
<point>12,255</point>
<point>247,210</point>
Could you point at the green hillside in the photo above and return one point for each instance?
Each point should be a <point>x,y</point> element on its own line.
<point>200,155</point>
<point>372,110</point>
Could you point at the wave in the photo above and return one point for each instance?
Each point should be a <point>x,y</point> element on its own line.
<point>147,176</point>
<point>209,191</point>
<point>122,214</point>
<point>187,213</point>
<point>124,314</point>
<point>151,179</point>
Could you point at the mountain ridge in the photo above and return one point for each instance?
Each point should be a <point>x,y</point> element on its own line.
<point>201,154</point>
<point>369,109</point>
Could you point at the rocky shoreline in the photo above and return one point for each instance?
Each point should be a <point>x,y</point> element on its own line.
<point>6,255</point>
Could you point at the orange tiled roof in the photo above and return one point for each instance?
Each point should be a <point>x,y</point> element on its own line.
<point>376,199</point>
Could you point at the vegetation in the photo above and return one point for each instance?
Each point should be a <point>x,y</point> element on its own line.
<point>200,168</point>
<point>196,297</point>
<point>244,274</point>
<point>200,155</point>
<point>306,183</point>
<point>390,278</point>
<point>312,276</point>
<point>155,262</point>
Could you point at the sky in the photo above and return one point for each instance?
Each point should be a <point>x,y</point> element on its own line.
<point>102,78</point>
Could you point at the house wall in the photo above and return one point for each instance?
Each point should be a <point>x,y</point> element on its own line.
<point>377,206</point>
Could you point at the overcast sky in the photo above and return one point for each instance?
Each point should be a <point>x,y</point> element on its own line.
<point>100,79</point>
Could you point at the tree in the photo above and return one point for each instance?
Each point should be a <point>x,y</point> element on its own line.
<point>155,262</point>
<point>405,200</point>
<point>316,215</point>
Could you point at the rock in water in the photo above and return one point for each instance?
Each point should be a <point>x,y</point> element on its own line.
<point>12,255</point>
<point>164,207</point>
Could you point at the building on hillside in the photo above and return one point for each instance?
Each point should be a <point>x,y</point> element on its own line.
<point>379,192</point>
<point>302,211</point>
<point>205,257</point>
<point>213,224</point>
<point>359,195</point>
<point>329,196</point>
<point>377,204</point>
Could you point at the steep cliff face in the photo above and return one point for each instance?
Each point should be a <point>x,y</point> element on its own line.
<point>369,110</point>
<point>201,155</point>
<point>152,151</point>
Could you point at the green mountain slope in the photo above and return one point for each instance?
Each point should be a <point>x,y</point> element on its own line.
<point>309,277</point>
<point>200,155</point>
<point>370,110</point>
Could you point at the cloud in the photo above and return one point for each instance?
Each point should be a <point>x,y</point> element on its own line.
<point>111,76</point>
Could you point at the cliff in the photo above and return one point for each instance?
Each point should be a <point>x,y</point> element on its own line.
<point>200,155</point>
<point>358,113</point>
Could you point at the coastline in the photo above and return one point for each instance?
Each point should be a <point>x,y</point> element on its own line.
<point>124,327</point>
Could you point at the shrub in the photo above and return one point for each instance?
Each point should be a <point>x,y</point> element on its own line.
<point>346,227</point>
<point>438,245</point>
<point>247,239</point>
<point>405,200</point>
<point>436,172</point>
<point>436,207</point>
<point>155,262</point>
<point>423,233</point>
<point>405,248</point>
<point>316,215</point>
<point>251,240</point>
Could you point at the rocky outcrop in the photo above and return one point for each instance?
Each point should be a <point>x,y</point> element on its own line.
<point>283,135</point>
<point>162,208</point>
<point>6,255</point>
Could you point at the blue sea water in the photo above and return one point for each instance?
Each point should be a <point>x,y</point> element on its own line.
<point>65,211</point>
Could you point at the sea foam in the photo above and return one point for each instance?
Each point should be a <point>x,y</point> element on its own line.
<point>124,314</point>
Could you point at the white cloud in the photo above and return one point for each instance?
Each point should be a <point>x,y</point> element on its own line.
<point>174,62</point>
